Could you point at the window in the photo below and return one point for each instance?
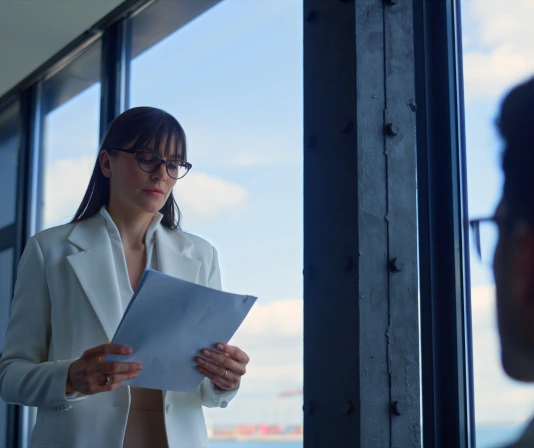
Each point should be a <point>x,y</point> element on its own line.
<point>9,152</point>
<point>497,55</point>
<point>71,111</point>
<point>233,79</point>
<point>6,293</point>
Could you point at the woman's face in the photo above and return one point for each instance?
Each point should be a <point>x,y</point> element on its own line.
<point>132,188</point>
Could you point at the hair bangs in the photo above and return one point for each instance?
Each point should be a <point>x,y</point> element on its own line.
<point>164,136</point>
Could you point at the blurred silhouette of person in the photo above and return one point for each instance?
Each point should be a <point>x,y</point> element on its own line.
<point>513,262</point>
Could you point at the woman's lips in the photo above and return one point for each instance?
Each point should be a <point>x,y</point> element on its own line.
<point>155,192</point>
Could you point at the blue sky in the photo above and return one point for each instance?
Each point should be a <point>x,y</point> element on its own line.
<point>233,78</point>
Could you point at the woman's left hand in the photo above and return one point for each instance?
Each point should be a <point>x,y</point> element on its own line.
<point>224,366</point>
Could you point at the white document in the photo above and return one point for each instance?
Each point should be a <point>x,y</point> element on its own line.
<point>168,322</point>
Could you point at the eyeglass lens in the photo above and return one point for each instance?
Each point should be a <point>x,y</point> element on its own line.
<point>150,162</point>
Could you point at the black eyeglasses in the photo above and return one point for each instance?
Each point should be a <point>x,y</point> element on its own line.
<point>149,162</point>
<point>486,235</point>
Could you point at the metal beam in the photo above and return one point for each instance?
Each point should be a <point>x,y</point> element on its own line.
<point>361,340</point>
<point>403,328</point>
<point>115,73</point>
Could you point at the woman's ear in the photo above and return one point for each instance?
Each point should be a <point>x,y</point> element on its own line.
<point>105,164</point>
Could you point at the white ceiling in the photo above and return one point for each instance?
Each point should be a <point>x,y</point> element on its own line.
<point>32,31</point>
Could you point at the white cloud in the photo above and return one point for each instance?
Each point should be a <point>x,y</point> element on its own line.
<point>504,54</point>
<point>272,336</point>
<point>65,183</point>
<point>493,73</point>
<point>279,319</point>
<point>202,197</point>
<point>502,20</point>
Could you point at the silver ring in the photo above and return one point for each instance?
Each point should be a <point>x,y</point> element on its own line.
<point>108,382</point>
<point>225,372</point>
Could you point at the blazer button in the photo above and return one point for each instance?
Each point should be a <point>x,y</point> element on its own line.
<point>224,404</point>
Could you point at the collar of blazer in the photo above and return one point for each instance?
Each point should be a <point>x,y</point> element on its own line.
<point>93,266</point>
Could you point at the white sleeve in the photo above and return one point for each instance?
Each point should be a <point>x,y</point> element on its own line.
<point>26,375</point>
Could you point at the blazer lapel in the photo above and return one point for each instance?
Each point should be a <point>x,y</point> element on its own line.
<point>172,250</point>
<point>96,272</point>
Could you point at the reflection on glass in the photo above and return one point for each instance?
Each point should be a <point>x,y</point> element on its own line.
<point>71,103</point>
<point>6,294</point>
<point>496,56</point>
<point>233,79</point>
<point>9,146</point>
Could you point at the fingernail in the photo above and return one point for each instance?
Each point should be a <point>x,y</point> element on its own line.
<point>207,353</point>
<point>200,361</point>
<point>220,347</point>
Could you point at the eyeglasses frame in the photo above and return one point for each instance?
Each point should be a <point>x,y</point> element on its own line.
<point>162,162</point>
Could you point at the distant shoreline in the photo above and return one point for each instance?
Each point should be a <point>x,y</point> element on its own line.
<point>257,438</point>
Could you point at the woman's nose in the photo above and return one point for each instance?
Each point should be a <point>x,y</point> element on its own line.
<point>161,172</point>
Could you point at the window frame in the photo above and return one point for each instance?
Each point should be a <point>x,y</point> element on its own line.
<point>446,334</point>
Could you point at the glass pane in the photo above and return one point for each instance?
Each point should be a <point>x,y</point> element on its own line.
<point>71,110</point>
<point>497,54</point>
<point>9,152</point>
<point>233,79</point>
<point>6,294</point>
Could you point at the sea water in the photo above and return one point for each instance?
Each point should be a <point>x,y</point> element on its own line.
<point>487,437</point>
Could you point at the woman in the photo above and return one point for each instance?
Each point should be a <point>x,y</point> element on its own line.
<point>74,283</point>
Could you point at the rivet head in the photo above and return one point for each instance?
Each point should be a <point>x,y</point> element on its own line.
<point>396,408</point>
<point>392,129</point>
<point>395,265</point>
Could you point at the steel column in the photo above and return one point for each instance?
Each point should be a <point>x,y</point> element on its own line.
<point>115,78</point>
<point>361,339</point>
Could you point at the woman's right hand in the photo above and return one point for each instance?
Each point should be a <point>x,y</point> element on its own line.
<point>87,374</point>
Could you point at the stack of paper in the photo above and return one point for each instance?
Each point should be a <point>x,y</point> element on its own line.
<point>168,322</point>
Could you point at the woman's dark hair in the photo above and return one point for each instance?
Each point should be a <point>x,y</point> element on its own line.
<point>517,130</point>
<point>136,128</point>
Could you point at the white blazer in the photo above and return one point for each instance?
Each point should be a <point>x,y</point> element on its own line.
<point>66,301</point>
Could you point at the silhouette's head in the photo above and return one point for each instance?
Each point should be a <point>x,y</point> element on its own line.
<point>514,256</point>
